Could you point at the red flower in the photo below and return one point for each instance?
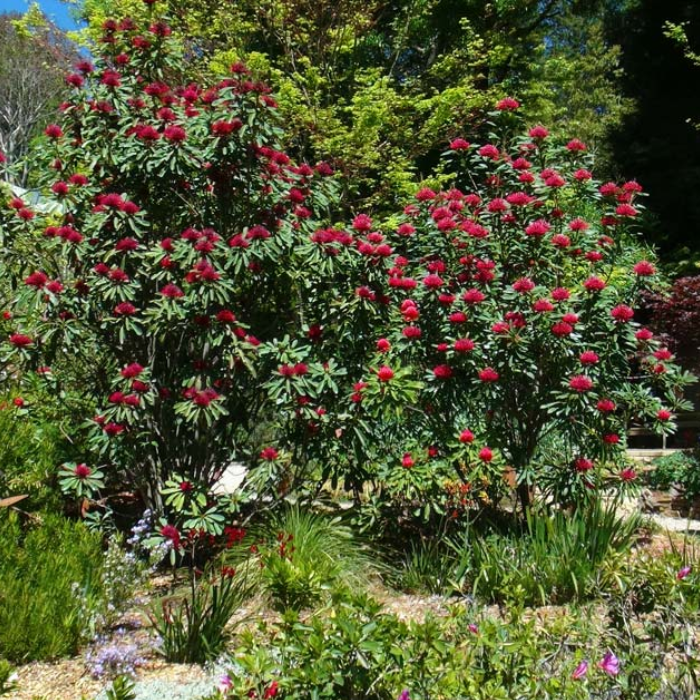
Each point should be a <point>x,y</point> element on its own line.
<point>576,145</point>
<point>459,145</point>
<point>626,210</point>
<point>82,471</point>
<point>523,285</point>
<point>628,474</point>
<point>407,461</point>
<point>271,690</point>
<point>562,329</point>
<point>433,281</point>
<point>20,340</point>
<point>124,309</point>
<point>489,151</point>
<point>464,345</point>
<point>543,306</point>
<point>644,269</point>
<point>663,415</point>
<point>485,454</point>
<point>458,317</point>
<point>269,454</point>
<point>175,134</point>
<point>594,284</point>
<point>113,429</point>
<point>488,374</point>
<point>538,228</point>
<point>580,383</point>
<point>611,439</point>
<point>473,296</point>
<point>583,465</point>
<point>170,532</point>
<point>36,279</point>
<point>560,294</point>
<point>132,370</point>
<point>53,131</point>
<point>225,316</point>
<point>644,334</point>
<point>561,241</point>
<point>18,401</point>
<point>411,332</point>
<point>606,406</point>
<point>588,357</point>
<point>442,371</point>
<point>172,291</point>
<point>466,436</point>
<point>383,345</point>
<point>508,104</point>
<point>385,374</point>
<point>538,132</point>
<point>622,313</point>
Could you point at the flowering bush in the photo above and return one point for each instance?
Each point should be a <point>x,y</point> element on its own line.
<point>488,330</point>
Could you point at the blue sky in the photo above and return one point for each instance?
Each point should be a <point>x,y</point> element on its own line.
<point>58,11</point>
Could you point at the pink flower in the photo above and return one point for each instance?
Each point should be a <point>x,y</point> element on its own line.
<point>684,572</point>
<point>543,306</point>
<point>643,334</point>
<point>580,383</point>
<point>576,145</point>
<point>224,685</point>
<point>538,228</point>
<point>488,374</point>
<point>580,671</point>
<point>611,439</point>
<point>610,664</point>
<point>560,294</point>
<point>622,313</point>
<point>385,374</point>
<point>473,296</point>
<point>561,241</point>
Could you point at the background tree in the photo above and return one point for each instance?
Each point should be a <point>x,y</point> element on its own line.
<point>34,55</point>
<point>379,87</point>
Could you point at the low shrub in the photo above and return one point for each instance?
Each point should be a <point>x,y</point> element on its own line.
<point>680,469</point>
<point>51,591</point>
<point>555,559</point>
<point>299,555</point>
<point>195,628</point>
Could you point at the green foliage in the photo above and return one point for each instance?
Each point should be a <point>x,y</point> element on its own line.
<point>123,688</point>
<point>555,559</point>
<point>300,555</point>
<point>51,593</point>
<point>194,628</point>
<point>680,469</point>
<point>7,682</point>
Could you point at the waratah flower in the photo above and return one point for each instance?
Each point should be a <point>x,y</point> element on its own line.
<point>464,345</point>
<point>644,269</point>
<point>269,454</point>
<point>628,474</point>
<point>611,439</point>
<point>19,340</point>
<point>485,454</point>
<point>172,291</point>
<point>581,383</point>
<point>562,329</point>
<point>538,132</point>
<point>459,145</point>
<point>663,354</point>
<point>466,436</point>
<point>411,332</point>
<point>594,284</point>
<point>583,465</point>
<point>663,415</point>
<point>385,374</point>
<point>407,461</point>
<point>560,294</point>
<point>622,313</point>
<point>53,131</point>
<point>508,104</point>
<point>383,345</point>
<point>170,532</point>
<point>488,374</point>
<point>124,308</point>
<point>473,296</point>
<point>523,285</point>
<point>576,145</point>
<point>442,371</point>
<point>543,306</point>
<point>643,334</point>
<point>82,471</point>
<point>132,370</point>
<point>606,405</point>
<point>561,241</point>
<point>537,228</point>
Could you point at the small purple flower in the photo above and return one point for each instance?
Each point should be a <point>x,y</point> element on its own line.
<point>473,628</point>
<point>610,664</point>
<point>684,572</point>
<point>225,684</point>
<point>581,671</point>
<point>404,695</point>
